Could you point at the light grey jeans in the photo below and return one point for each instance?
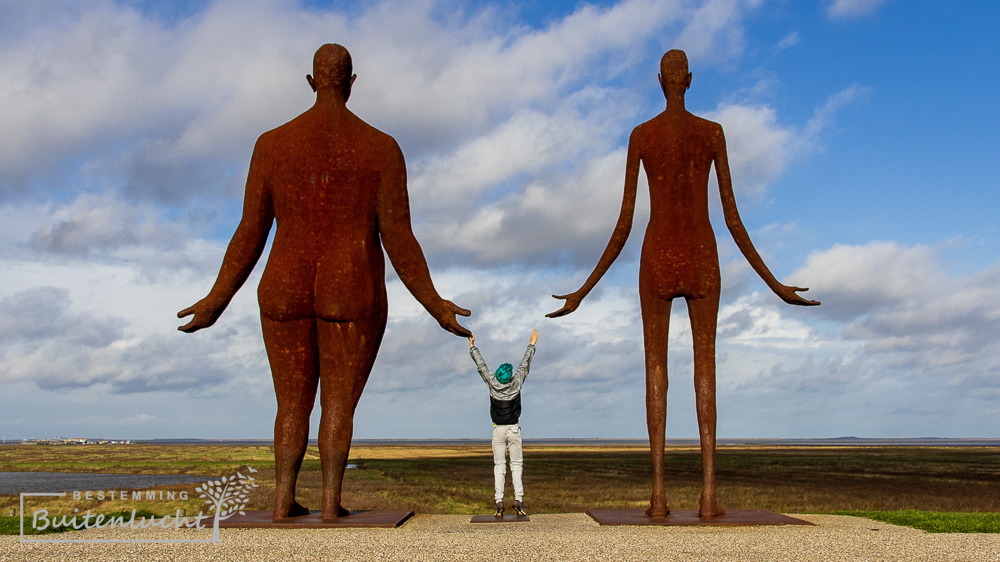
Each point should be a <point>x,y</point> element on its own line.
<point>507,437</point>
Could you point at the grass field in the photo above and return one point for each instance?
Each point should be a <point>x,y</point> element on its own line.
<point>562,479</point>
<point>935,521</point>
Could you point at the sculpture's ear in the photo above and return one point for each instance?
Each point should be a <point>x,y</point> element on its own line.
<point>687,82</point>
<point>312,83</point>
<point>350,85</point>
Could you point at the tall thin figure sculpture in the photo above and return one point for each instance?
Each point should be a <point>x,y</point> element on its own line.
<point>679,259</point>
<point>336,187</point>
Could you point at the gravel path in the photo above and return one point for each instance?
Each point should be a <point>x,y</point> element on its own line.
<point>571,536</point>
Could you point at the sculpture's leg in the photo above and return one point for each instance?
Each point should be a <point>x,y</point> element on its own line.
<point>655,328</point>
<point>291,350</point>
<point>704,316</point>
<point>347,353</point>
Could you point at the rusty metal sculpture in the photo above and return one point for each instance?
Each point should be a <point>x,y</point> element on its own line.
<point>679,259</point>
<point>336,187</point>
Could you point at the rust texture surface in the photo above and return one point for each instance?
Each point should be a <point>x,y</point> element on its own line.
<point>264,520</point>
<point>732,517</point>
<point>336,188</point>
<point>679,259</point>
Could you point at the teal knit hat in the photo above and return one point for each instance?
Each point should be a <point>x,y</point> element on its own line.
<point>504,372</point>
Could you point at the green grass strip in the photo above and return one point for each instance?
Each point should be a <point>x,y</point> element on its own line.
<point>12,525</point>
<point>935,521</point>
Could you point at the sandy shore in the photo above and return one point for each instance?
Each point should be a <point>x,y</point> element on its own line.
<point>571,536</point>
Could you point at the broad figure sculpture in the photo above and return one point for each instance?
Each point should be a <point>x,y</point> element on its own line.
<point>679,259</point>
<point>336,188</point>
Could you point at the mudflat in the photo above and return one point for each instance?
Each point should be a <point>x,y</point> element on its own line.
<point>448,478</point>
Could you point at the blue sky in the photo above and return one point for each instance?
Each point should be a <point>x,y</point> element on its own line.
<point>862,136</point>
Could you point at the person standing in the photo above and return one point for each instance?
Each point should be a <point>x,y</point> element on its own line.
<point>505,410</point>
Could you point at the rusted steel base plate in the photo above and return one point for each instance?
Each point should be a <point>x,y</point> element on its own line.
<point>262,520</point>
<point>733,517</point>
<point>505,519</point>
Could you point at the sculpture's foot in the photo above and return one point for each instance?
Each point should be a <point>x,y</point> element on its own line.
<point>658,507</point>
<point>709,508</point>
<point>341,512</point>
<point>296,510</point>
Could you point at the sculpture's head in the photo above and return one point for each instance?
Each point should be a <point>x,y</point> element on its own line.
<point>504,373</point>
<point>332,69</point>
<point>674,75</point>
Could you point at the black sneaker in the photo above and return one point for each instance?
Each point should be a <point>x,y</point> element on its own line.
<point>519,509</point>
<point>499,510</point>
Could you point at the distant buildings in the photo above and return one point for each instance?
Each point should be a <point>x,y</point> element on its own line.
<point>69,441</point>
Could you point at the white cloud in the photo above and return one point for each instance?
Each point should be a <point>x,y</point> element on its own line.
<point>857,280</point>
<point>108,324</point>
<point>751,322</point>
<point>528,143</point>
<point>479,106</point>
<point>50,343</point>
<point>788,41</point>
<point>852,8</point>
<point>542,221</point>
<point>759,147</point>
<point>715,30</point>
<point>908,315</point>
<point>171,112</point>
<point>93,223</point>
<point>485,209</point>
<point>823,115</point>
<point>140,419</point>
<point>40,313</point>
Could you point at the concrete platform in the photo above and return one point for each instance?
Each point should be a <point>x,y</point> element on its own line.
<point>510,518</point>
<point>563,536</point>
<point>689,517</point>
<point>262,520</point>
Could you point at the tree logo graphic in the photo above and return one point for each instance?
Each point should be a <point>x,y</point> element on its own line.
<point>229,494</point>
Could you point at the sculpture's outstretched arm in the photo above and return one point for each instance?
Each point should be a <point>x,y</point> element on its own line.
<point>244,250</point>
<point>403,249</point>
<point>618,237</point>
<point>738,230</point>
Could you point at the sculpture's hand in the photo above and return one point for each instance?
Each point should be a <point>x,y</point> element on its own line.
<point>446,318</point>
<point>572,302</point>
<point>790,295</point>
<point>534,337</point>
<point>205,312</point>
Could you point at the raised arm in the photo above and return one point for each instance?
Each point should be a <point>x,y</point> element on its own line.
<point>738,230</point>
<point>618,237</point>
<point>484,371</point>
<point>525,366</point>
<point>403,249</point>
<point>244,249</point>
